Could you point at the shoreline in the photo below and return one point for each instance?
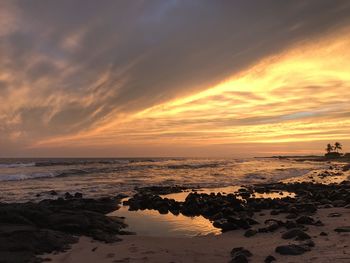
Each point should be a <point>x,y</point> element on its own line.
<point>334,247</point>
<point>249,216</point>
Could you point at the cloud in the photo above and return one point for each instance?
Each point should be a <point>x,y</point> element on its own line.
<point>301,95</point>
<point>72,66</point>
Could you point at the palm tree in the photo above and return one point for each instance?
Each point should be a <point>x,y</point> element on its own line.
<point>329,148</point>
<point>337,146</point>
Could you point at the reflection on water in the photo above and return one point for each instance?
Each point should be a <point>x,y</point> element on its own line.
<point>151,223</point>
<point>180,197</point>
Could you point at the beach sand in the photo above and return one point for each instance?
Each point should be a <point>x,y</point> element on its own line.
<point>335,247</point>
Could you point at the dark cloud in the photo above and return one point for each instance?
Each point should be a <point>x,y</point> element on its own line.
<point>150,51</point>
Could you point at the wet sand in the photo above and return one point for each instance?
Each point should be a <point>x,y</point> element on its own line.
<point>335,247</point>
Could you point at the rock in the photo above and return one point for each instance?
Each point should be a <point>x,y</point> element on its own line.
<point>308,243</point>
<point>305,220</point>
<point>274,212</point>
<point>250,233</point>
<point>291,216</point>
<point>68,196</point>
<point>269,259</point>
<point>240,255</point>
<point>240,222</point>
<point>78,195</point>
<point>224,225</point>
<point>323,234</point>
<point>306,207</point>
<point>29,229</point>
<point>291,249</point>
<point>295,233</point>
<point>346,168</point>
<point>342,229</point>
<point>160,190</point>
<point>21,245</point>
<point>318,223</point>
<point>290,224</point>
<point>339,203</point>
<point>272,225</point>
<point>53,192</point>
<point>239,259</point>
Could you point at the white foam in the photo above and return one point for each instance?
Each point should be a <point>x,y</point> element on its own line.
<point>15,165</point>
<point>21,177</point>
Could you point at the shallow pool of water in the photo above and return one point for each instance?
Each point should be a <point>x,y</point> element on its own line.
<point>180,197</point>
<point>151,223</point>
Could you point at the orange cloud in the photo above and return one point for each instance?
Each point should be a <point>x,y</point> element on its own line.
<point>301,95</point>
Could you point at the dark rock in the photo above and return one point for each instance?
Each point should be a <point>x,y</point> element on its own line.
<point>272,225</point>
<point>308,243</point>
<point>306,207</point>
<point>29,229</point>
<point>68,196</point>
<point>274,212</point>
<point>269,259</point>
<point>295,233</point>
<point>342,229</point>
<point>250,233</point>
<point>21,244</point>
<point>291,249</point>
<point>346,168</point>
<point>318,223</point>
<point>323,234</point>
<point>240,255</point>
<point>291,216</point>
<point>160,190</point>
<point>240,222</point>
<point>239,259</point>
<point>290,224</point>
<point>78,195</point>
<point>251,221</point>
<point>305,220</point>
<point>224,225</point>
<point>339,203</point>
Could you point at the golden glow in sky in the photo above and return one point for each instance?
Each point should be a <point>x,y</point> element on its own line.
<point>300,95</point>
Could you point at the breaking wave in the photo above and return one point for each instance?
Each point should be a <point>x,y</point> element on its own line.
<point>16,165</point>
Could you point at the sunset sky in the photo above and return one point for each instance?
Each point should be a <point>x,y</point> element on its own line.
<point>173,77</point>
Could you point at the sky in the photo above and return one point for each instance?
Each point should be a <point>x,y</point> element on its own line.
<point>88,78</point>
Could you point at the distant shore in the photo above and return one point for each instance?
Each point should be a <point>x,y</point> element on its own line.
<point>315,158</point>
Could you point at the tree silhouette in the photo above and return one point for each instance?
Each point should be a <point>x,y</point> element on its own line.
<point>329,148</point>
<point>337,146</point>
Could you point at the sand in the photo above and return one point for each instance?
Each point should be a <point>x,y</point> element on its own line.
<point>332,248</point>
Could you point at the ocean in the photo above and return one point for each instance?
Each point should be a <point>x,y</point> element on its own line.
<point>32,179</point>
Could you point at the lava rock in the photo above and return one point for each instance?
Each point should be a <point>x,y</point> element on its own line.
<point>239,259</point>
<point>291,249</point>
<point>342,229</point>
<point>295,233</point>
<point>250,233</point>
<point>269,259</point>
<point>78,195</point>
<point>240,255</point>
<point>305,220</point>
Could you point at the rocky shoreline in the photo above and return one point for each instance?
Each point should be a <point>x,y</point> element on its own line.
<point>236,211</point>
<point>28,230</point>
<point>31,229</point>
